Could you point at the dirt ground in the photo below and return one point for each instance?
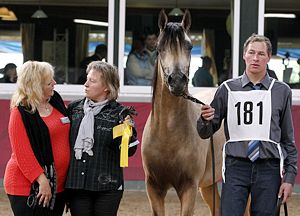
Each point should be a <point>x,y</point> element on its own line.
<point>135,203</point>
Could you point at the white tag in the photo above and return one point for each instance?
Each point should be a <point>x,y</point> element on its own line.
<point>65,120</point>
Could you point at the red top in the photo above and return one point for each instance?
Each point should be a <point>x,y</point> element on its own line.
<point>23,168</point>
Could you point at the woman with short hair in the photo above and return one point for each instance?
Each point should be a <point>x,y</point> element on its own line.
<point>95,180</point>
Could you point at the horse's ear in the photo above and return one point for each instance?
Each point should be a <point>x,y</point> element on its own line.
<point>186,20</point>
<point>162,19</point>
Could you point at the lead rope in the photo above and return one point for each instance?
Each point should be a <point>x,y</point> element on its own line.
<point>279,203</point>
<point>213,173</point>
<point>195,100</point>
<point>191,98</point>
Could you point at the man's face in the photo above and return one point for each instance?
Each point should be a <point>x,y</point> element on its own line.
<point>12,74</point>
<point>150,42</point>
<point>256,58</point>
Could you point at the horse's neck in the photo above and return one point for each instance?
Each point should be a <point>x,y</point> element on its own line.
<point>169,110</point>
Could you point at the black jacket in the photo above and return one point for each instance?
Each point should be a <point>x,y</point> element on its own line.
<point>101,171</point>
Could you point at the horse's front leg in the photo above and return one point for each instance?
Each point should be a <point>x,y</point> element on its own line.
<point>156,196</point>
<point>187,195</point>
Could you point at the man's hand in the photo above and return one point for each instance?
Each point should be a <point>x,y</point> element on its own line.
<point>285,191</point>
<point>207,112</point>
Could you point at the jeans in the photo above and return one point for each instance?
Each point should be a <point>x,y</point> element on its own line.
<point>261,179</point>
<point>94,203</point>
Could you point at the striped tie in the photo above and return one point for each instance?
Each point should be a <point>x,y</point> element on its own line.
<point>253,150</point>
<point>253,146</point>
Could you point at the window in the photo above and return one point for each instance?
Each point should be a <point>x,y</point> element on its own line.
<point>10,48</point>
<point>286,62</point>
<point>196,61</point>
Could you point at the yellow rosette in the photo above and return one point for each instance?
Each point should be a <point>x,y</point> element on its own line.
<point>124,130</point>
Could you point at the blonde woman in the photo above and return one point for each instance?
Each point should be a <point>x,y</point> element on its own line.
<point>39,136</point>
<point>95,179</point>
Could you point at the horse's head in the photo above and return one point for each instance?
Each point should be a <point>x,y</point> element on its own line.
<point>174,52</point>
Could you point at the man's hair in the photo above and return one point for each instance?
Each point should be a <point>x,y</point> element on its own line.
<point>148,31</point>
<point>8,67</point>
<point>206,61</point>
<point>101,49</point>
<point>258,38</point>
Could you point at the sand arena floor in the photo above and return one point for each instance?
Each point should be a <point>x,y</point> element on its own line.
<point>135,203</point>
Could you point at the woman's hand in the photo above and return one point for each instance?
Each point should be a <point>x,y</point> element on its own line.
<point>44,195</point>
<point>129,120</point>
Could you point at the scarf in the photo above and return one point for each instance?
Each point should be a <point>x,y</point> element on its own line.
<point>39,138</point>
<point>85,138</point>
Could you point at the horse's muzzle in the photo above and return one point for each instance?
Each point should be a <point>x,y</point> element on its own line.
<point>177,83</point>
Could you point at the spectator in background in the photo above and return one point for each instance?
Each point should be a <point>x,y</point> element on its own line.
<point>10,73</point>
<point>202,77</point>
<point>99,55</point>
<point>150,47</point>
<point>139,70</point>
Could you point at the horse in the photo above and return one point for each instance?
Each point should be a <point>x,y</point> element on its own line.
<point>173,154</point>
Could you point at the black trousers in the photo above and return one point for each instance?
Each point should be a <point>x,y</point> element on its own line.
<point>20,208</point>
<point>94,203</point>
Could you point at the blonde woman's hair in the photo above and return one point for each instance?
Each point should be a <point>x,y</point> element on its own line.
<point>110,77</point>
<point>31,78</point>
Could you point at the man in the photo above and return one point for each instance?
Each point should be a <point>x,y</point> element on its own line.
<point>139,70</point>
<point>141,61</point>
<point>202,77</point>
<point>260,148</point>
<point>10,73</point>
<point>99,55</point>
<point>150,47</point>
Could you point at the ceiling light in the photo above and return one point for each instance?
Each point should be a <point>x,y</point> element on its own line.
<point>4,12</point>
<point>90,22</point>
<point>39,14</point>
<point>280,15</point>
<point>176,11</point>
<point>11,17</point>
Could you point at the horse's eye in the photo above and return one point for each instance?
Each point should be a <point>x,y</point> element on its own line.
<point>189,46</point>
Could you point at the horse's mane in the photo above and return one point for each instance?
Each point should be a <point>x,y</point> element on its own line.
<point>154,81</point>
<point>168,40</point>
<point>169,35</point>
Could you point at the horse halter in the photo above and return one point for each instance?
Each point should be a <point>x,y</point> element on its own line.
<point>184,94</point>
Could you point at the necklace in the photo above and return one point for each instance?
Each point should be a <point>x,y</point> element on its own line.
<point>45,107</point>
